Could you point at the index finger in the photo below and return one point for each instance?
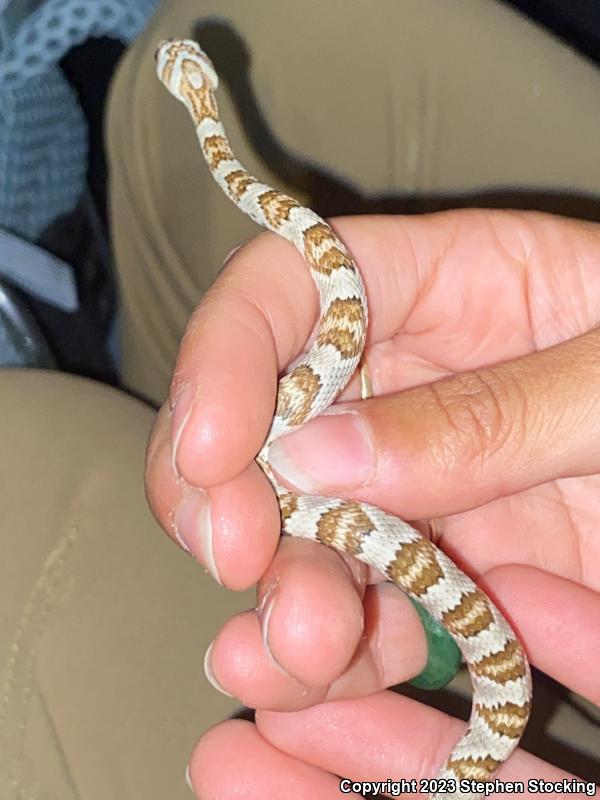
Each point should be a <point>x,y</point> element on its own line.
<point>255,320</point>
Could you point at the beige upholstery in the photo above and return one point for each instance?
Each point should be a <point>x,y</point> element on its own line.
<point>103,621</point>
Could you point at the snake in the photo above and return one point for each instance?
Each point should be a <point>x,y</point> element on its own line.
<point>498,666</point>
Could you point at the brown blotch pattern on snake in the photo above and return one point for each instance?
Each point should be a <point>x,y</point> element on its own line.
<point>346,525</point>
<point>288,504</point>
<point>276,207</point>
<point>296,394</point>
<point>329,260</point>
<point>508,719</point>
<point>238,182</point>
<point>342,326</point>
<point>506,665</point>
<point>217,149</point>
<point>201,101</point>
<point>415,567</point>
<point>477,769</point>
<point>471,616</point>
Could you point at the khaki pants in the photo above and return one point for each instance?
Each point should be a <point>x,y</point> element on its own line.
<point>365,106</point>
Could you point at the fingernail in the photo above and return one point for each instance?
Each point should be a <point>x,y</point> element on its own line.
<point>188,779</point>
<point>333,450</point>
<point>210,675</point>
<point>265,609</point>
<point>230,255</point>
<point>193,528</point>
<point>181,413</point>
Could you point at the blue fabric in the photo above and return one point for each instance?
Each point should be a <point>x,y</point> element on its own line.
<point>43,136</point>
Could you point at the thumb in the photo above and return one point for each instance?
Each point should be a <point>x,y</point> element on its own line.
<point>460,442</point>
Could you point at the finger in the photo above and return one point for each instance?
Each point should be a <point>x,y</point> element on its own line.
<point>238,665</point>
<point>233,757</point>
<point>260,312</point>
<point>215,525</point>
<point>460,442</point>
<point>312,639</point>
<point>565,644</point>
<point>383,736</point>
<point>246,328</point>
<point>551,527</point>
<point>311,612</point>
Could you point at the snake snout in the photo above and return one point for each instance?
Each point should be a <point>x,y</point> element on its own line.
<point>174,55</point>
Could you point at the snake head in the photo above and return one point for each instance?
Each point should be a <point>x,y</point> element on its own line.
<point>178,57</point>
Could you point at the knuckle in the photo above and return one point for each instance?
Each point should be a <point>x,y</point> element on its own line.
<point>484,411</point>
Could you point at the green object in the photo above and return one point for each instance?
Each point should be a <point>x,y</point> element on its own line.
<point>443,655</point>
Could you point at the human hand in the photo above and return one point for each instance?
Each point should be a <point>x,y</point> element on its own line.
<point>502,457</point>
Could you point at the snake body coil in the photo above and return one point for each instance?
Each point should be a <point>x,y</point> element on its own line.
<point>497,664</point>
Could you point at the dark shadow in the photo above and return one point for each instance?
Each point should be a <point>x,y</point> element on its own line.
<point>332,195</point>
<point>577,24</point>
